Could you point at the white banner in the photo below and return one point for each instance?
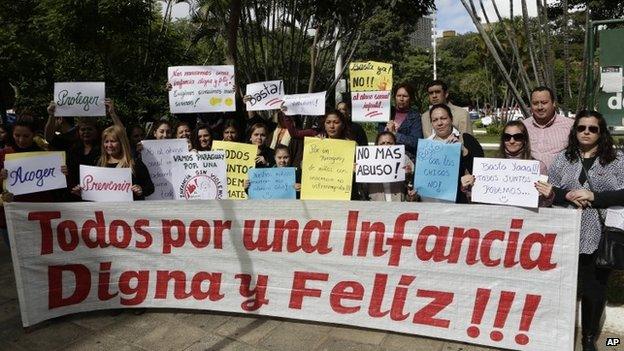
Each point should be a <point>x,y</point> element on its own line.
<point>305,104</point>
<point>199,176</point>
<point>201,89</point>
<point>103,184</point>
<point>380,164</point>
<point>370,106</point>
<point>79,99</point>
<point>156,155</point>
<point>267,95</point>
<point>498,276</point>
<point>506,181</point>
<point>32,172</point>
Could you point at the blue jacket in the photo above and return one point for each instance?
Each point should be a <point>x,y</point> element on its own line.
<point>409,132</point>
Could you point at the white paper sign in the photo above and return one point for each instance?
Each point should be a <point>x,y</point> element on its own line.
<point>611,79</point>
<point>370,106</point>
<point>267,95</point>
<point>32,172</point>
<point>103,184</point>
<point>615,217</point>
<point>506,181</point>
<point>156,155</point>
<point>199,176</point>
<point>305,104</point>
<point>380,164</point>
<point>201,89</point>
<point>84,99</point>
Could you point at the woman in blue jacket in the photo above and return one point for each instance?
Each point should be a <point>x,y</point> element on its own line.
<point>405,121</point>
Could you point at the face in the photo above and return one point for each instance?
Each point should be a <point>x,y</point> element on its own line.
<point>136,136</point>
<point>402,99</point>
<point>258,136</point>
<point>87,132</point>
<point>282,158</point>
<point>183,131</point>
<point>542,106</point>
<point>437,95</point>
<point>588,131</point>
<point>23,137</point>
<point>204,137</point>
<point>342,107</point>
<point>333,126</point>
<point>112,146</point>
<point>230,134</point>
<point>385,140</point>
<point>442,123</point>
<point>3,134</point>
<point>162,132</point>
<point>514,139</point>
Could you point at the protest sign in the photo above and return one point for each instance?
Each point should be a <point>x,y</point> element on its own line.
<point>305,104</point>
<point>201,89</point>
<point>327,169</point>
<point>239,158</point>
<point>437,169</point>
<point>103,184</point>
<point>79,99</point>
<point>373,106</point>
<point>380,164</point>
<point>156,155</point>
<point>491,275</point>
<point>199,175</point>
<point>505,181</point>
<point>267,95</point>
<point>370,76</point>
<point>272,183</point>
<point>32,172</point>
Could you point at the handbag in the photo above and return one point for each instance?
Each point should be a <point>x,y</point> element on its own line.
<point>610,252</point>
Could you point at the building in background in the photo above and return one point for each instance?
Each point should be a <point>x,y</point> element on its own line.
<point>421,38</point>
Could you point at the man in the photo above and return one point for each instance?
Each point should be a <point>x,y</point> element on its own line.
<point>548,132</point>
<point>438,93</point>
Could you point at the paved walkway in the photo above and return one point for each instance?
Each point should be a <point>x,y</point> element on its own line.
<point>194,330</point>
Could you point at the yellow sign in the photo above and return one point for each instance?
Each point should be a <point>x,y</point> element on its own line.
<point>239,158</point>
<point>327,169</point>
<point>370,76</point>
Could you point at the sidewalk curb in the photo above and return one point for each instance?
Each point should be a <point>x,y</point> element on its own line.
<point>613,318</point>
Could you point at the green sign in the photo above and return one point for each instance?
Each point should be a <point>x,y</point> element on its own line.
<point>611,105</point>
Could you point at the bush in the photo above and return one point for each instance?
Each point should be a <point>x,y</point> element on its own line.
<point>494,129</point>
<point>477,124</point>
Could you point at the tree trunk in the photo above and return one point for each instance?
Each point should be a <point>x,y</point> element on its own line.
<point>529,40</point>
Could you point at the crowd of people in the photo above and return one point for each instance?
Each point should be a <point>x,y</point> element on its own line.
<point>584,168</point>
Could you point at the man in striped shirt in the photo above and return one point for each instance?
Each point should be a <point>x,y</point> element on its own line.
<point>548,131</point>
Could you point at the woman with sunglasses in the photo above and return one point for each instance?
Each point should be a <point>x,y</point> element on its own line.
<point>589,162</point>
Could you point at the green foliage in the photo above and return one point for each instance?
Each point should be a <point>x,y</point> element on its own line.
<point>495,128</point>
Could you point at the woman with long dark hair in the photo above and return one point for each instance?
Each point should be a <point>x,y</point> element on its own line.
<point>202,138</point>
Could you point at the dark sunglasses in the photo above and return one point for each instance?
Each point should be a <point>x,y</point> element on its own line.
<point>517,136</point>
<point>592,129</point>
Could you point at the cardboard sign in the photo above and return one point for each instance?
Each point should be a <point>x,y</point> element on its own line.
<point>103,184</point>
<point>32,172</point>
<point>327,169</point>
<point>201,89</point>
<point>380,164</point>
<point>305,104</point>
<point>156,155</point>
<point>370,76</point>
<point>505,181</point>
<point>373,106</point>
<point>265,95</point>
<point>199,175</point>
<point>239,158</point>
<point>85,99</point>
<point>272,183</point>
<point>437,169</point>
<point>490,275</point>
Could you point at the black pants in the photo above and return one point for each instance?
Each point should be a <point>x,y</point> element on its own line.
<point>593,287</point>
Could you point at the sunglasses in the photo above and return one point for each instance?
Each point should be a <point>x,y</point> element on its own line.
<point>516,137</point>
<point>592,129</point>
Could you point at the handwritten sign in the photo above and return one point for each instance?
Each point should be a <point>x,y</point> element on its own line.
<point>103,184</point>
<point>239,158</point>
<point>373,106</point>
<point>267,95</point>
<point>156,155</point>
<point>201,89</point>
<point>506,181</point>
<point>437,169</point>
<point>305,104</point>
<point>199,175</point>
<point>32,172</point>
<point>84,99</point>
<point>380,164</point>
<point>272,183</point>
<point>370,76</point>
<point>327,169</point>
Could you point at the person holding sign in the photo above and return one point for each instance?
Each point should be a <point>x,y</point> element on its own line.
<point>202,138</point>
<point>257,136</point>
<point>589,162</point>
<point>405,121</point>
<point>161,130</point>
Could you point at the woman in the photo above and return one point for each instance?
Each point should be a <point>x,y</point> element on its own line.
<point>231,131</point>
<point>589,162</point>
<point>4,135</point>
<point>334,125</point>
<point>183,130</point>
<point>405,121</point>
<point>280,135</point>
<point>161,130</point>
<point>202,138</point>
<point>257,136</point>
<point>86,151</point>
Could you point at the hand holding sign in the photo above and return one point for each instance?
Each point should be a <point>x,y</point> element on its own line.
<point>32,172</point>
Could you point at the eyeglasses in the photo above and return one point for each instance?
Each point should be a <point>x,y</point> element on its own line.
<point>516,137</point>
<point>592,129</point>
